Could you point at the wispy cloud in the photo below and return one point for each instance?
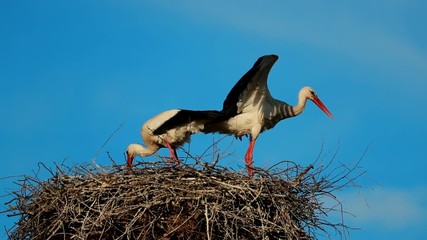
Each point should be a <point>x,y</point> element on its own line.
<point>356,31</point>
<point>386,207</point>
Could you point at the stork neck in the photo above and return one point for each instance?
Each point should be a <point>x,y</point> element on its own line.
<point>299,108</point>
<point>143,151</point>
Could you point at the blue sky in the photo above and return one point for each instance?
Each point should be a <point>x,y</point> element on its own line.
<point>71,74</point>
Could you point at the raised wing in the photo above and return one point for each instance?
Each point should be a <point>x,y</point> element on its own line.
<point>251,88</point>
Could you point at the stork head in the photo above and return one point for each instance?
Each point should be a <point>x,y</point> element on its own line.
<point>131,152</point>
<point>309,93</point>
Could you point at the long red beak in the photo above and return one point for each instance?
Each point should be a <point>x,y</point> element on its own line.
<point>130,160</point>
<point>322,106</point>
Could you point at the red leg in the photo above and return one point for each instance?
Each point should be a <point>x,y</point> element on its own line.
<point>176,157</point>
<point>249,158</point>
<point>172,152</point>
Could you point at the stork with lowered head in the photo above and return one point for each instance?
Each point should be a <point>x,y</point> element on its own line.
<point>170,129</point>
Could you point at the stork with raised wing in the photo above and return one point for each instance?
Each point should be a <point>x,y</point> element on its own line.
<point>250,109</point>
<point>170,129</point>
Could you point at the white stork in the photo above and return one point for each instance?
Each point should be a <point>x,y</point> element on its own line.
<point>251,109</point>
<point>170,129</point>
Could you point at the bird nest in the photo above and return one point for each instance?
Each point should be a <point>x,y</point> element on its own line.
<point>189,201</point>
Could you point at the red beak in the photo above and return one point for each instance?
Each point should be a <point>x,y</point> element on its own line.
<point>129,161</point>
<point>322,106</point>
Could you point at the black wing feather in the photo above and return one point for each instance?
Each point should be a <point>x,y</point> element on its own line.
<point>229,106</point>
<point>187,116</point>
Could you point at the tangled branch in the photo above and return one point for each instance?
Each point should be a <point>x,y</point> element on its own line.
<point>197,201</point>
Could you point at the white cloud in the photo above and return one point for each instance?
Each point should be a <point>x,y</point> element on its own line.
<point>387,208</point>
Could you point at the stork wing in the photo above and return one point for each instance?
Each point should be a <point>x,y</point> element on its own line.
<point>186,117</point>
<point>251,88</point>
